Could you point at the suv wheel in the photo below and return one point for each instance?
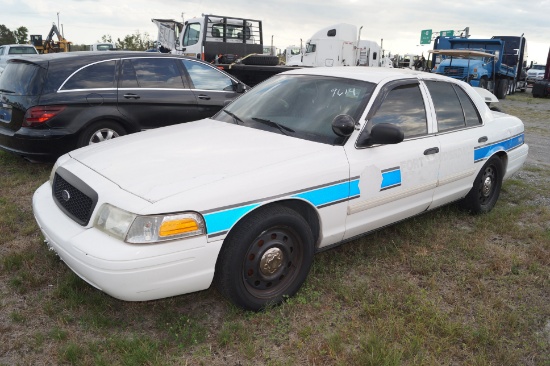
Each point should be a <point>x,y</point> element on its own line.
<point>101,131</point>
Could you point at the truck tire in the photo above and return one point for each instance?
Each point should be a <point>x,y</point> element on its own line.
<point>263,60</point>
<point>483,83</point>
<point>502,88</point>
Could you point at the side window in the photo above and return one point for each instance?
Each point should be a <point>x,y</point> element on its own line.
<point>206,77</point>
<point>1,50</point>
<point>404,107</point>
<point>470,111</point>
<point>447,106</point>
<point>156,73</point>
<point>128,78</point>
<point>191,35</point>
<point>101,75</point>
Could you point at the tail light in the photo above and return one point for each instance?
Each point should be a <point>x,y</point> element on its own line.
<point>36,116</point>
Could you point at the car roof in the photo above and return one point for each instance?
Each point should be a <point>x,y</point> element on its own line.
<point>369,74</point>
<point>87,56</point>
<point>17,45</point>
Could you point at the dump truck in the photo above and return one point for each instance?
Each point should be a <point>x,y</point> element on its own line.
<point>496,64</point>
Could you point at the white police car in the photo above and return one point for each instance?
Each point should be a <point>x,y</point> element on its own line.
<point>306,160</point>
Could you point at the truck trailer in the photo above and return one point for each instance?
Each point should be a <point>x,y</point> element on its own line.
<point>224,40</point>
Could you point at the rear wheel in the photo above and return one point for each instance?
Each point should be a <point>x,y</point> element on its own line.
<point>502,88</point>
<point>100,131</point>
<point>486,189</point>
<point>265,258</point>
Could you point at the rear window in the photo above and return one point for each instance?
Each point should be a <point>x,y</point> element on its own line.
<point>21,78</point>
<point>22,51</point>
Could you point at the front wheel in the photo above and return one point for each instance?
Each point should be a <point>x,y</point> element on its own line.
<point>265,258</point>
<point>486,189</point>
<point>483,83</point>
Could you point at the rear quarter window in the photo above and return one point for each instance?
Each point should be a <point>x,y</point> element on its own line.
<point>101,75</point>
<point>22,78</point>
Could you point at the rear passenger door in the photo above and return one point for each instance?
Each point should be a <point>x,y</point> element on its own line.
<point>152,93</point>
<point>458,132</point>
<point>213,89</point>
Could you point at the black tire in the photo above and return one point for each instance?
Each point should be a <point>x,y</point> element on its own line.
<point>264,60</point>
<point>502,88</point>
<point>265,258</point>
<point>486,189</point>
<point>100,131</point>
<point>483,83</point>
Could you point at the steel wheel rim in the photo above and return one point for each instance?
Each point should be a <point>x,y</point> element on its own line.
<point>103,134</point>
<point>272,262</point>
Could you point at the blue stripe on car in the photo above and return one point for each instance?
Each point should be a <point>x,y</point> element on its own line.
<point>219,222</point>
<point>484,152</point>
<point>390,178</point>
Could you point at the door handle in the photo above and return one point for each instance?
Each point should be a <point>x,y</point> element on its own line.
<point>482,139</point>
<point>204,97</point>
<point>433,150</point>
<point>131,96</point>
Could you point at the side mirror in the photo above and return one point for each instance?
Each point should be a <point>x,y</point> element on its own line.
<point>383,134</point>
<point>343,125</point>
<point>240,88</point>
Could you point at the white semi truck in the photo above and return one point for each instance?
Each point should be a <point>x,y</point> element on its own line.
<point>340,45</point>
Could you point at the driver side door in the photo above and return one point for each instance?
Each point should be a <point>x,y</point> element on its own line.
<point>393,182</point>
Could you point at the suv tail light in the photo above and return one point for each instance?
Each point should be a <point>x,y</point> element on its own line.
<point>36,116</point>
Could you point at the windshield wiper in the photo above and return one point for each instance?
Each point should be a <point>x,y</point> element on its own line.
<point>6,91</point>
<point>281,127</point>
<point>237,119</point>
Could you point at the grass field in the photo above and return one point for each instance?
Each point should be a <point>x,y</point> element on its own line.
<point>445,288</point>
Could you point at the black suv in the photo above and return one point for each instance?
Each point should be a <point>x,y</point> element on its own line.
<point>54,103</point>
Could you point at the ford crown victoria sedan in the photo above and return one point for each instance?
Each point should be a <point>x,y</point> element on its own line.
<point>304,161</point>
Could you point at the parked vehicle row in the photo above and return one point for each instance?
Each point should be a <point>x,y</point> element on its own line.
<point>304,161</point>
<point>54,103</point>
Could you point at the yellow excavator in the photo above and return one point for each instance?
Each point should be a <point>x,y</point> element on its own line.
<point>49,45</point>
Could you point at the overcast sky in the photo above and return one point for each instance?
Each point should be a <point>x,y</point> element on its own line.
<point>398,23</point>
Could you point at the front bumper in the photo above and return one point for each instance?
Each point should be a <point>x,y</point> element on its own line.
<point>125,271</point>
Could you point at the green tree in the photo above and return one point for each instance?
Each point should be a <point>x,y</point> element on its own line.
<point>106,39</point>
<point>134,42</point>
<point>6,35</point>
<point>21,34</point>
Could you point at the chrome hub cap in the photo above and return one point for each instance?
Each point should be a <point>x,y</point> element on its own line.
<point>487,186</point>
<point>271,261</point>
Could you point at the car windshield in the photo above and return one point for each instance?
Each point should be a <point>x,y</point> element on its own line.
<point>301,106</point>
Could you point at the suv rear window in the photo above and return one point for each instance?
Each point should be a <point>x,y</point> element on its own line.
<point>22,78</point>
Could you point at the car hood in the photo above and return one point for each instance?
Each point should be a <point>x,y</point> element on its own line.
<point>159,163</point>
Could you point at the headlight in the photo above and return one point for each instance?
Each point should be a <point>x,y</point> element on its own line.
<point>137,229</point>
